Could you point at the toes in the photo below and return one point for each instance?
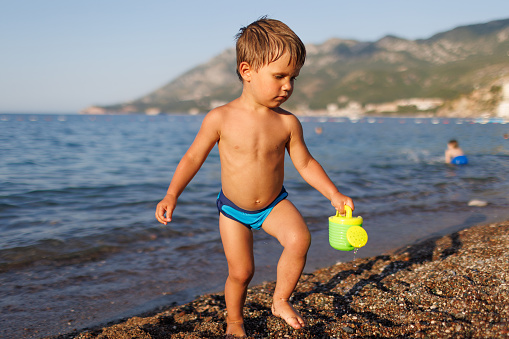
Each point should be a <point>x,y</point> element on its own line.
<point>290,316</point>
<point>294,322</point>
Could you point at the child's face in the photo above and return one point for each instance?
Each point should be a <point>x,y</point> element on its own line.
<point>272,84</point>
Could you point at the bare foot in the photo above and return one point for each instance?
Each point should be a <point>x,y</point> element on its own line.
<point>235,329</point>
<point>283,309</point>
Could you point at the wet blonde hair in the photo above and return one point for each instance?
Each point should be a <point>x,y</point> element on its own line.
<point>453,143</point>
<point>265,41</point>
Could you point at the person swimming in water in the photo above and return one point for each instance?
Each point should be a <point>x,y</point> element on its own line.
<point>454,154</point>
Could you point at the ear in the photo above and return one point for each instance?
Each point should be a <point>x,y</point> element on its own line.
<point>245,71</point>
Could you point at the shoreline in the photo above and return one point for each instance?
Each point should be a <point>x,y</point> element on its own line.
<point>455,285</point>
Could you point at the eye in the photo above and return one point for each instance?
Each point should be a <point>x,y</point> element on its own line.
<point>294,78</point>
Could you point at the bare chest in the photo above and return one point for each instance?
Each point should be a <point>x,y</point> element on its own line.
<point>262,139</point>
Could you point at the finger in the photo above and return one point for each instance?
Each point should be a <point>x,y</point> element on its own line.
<point>338,208</point>
<point>161,220</point>
<point>160,215</point>
<point>168,215</point>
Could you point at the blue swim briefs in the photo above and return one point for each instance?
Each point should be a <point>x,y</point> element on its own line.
<point>459,160</point>
<point>250,219</point>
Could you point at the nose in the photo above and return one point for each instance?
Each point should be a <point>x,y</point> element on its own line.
<point>288,86</point>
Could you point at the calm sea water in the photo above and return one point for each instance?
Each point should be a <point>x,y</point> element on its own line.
<point>80,246</point>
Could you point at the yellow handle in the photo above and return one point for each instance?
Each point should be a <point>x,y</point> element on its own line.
<point>348,212</point>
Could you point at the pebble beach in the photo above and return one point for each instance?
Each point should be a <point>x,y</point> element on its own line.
<point>455,286</point>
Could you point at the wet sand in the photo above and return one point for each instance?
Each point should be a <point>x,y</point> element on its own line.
<point>456,286</point>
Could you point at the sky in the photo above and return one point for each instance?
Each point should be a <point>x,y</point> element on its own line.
<point>60,56</point>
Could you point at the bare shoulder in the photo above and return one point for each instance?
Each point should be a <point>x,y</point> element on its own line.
<point>291,121</point>
<point>215,115</point>
<point>221,113</point>
<point>214,118</point>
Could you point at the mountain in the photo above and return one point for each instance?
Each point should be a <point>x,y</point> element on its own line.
<point>461,72</point>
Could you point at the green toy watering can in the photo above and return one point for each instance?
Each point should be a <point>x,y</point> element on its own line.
<point>345,232</point>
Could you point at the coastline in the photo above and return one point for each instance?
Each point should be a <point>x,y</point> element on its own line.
<point>451,286</point>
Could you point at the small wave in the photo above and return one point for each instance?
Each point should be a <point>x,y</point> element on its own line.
<point>58,252</point>
<point>51,253</point>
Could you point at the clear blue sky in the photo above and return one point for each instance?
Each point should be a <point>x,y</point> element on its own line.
<point>63,55</point>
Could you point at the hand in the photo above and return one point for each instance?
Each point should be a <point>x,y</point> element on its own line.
<point>339,201</point>
<point>167,205</point>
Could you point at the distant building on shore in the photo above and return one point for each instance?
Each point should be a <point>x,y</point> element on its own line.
<point>419,104</point>
<point>94,110</point>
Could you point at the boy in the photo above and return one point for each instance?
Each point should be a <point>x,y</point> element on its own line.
<point>454,154</point>
<point>252,133</point>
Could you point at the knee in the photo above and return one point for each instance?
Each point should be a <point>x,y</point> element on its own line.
<point>241,275</point>
<point>299,242</point>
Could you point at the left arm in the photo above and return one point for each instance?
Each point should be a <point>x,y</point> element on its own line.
<point>311,171</point>
<point>448,157</point>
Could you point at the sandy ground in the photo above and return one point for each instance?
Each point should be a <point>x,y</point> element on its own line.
<point>456,286</point>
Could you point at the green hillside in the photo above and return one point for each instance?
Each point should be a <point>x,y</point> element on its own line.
<point>447,66</point>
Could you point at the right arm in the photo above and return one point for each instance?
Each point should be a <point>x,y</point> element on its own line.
<point>189,165</point>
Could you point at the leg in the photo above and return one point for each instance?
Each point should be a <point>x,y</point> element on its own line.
<point>238,247</point>
<point>287,225</point>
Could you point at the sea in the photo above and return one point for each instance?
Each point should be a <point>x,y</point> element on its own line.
<point>80,246</point>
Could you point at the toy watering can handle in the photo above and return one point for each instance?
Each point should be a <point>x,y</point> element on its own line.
<point>348,212</point>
